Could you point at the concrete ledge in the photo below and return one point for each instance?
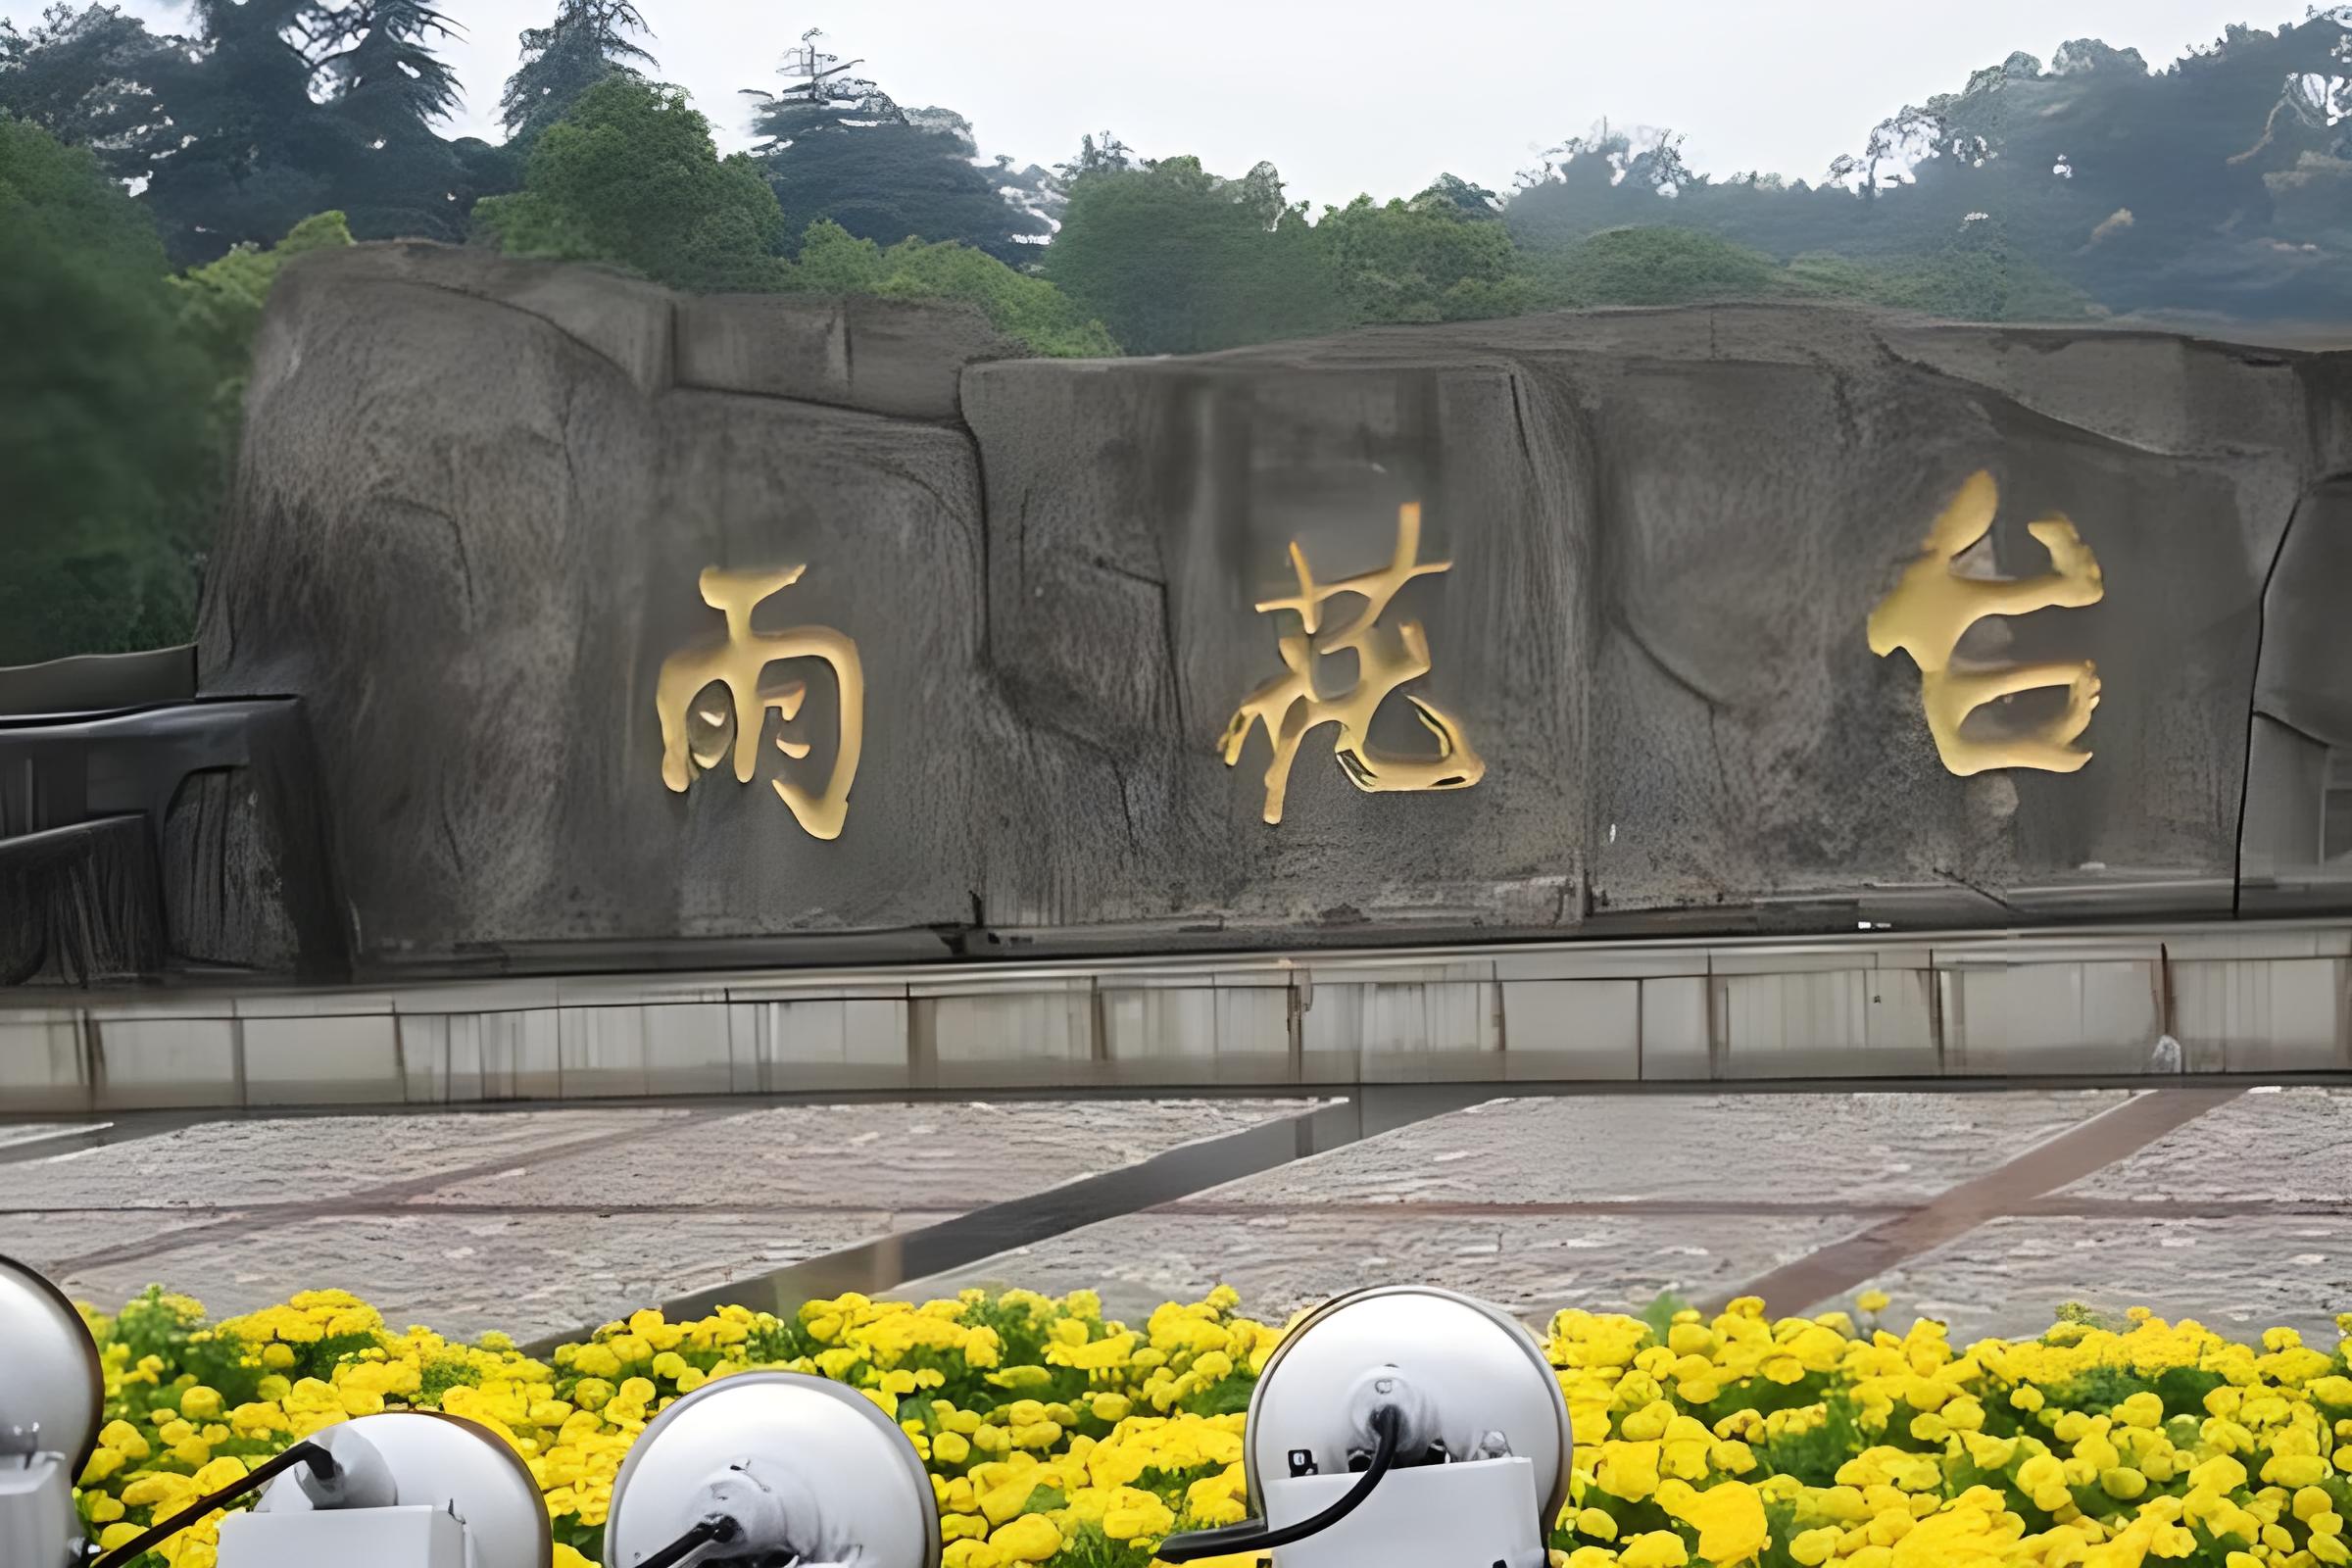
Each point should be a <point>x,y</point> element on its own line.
<point>2024,1006</point>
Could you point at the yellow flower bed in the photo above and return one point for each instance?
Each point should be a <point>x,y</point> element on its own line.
<point>1058,1438</point>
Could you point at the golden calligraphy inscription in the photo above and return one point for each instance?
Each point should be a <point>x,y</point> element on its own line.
<point>1933,607</point>
<point>1386,658</point>
<point>694,736</point>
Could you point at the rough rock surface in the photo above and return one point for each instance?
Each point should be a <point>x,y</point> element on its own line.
<point>884,356</point>
<point>477,496</point>
<point>468,539</point>
<point>1668,530</point>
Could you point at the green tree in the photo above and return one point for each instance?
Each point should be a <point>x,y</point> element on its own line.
<point>390,90</point>
<point>220,309</point>
<point>630,176</point>
<point>275,109</point>
<point>1656,265</point>
<point>103,432</point>
<point>1175,260</point>
<point>388,80</point>
<point>836,146</point>
<point>1464,198</point>
<point>84,77</point>
<point>1441,257</point>
<point>1977,276</point>
<point>2220,182</point>
<point>256,150</point>
<point>1026,308</point>
<point>588,41</point>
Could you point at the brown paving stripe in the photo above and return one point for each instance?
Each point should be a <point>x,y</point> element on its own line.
<point>241,1221</point>
<point>2007,1189</point>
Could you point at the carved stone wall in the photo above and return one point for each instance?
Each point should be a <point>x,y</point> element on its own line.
<point>1623,679</point>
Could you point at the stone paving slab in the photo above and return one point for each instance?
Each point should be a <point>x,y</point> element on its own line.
<point>300,1159</point>
<point>469,1222</point>
<point>662,1203</point>
<point>2238,1275</point>
<point>1818,1148</point>
<point>1616,1263</point>
<point>956,1156</point>
<point>52,1237</point>
<point>2267,1146</point>
<point>29,1132</point>
<point>525,1274</point>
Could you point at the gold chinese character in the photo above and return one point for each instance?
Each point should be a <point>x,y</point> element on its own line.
<point>1386,658</point>
<point>1933,607</point>
<point>694,737</point>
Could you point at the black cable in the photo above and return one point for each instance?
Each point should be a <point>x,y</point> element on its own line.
<point>719,1529</point>
<point>1252,1535</point>
<point>321,1463</point>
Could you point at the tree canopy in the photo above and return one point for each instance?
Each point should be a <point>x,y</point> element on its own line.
<point>836,146</point>
<point>93,353</point>
<point>2220,183</point>
<point>2087,185</point>
<point>83,76</point>
<point>1173,259</point>
<point>1443,256</point>
<point>630,174</point>
<point>1024,308</point>
<point>587,41</point>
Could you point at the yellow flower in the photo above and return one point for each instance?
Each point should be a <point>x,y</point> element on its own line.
<point>1628,1470</point>
<point>1031,1537</point>
<point>1658,1548</point>
<point>124,1441</point>
<point>1728,1518</point>
<point>2295,1470</point>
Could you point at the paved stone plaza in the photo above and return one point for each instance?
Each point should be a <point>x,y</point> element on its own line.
<point>538,1222</point>
<point>2240,1215</point>
<point>1988,1209</point>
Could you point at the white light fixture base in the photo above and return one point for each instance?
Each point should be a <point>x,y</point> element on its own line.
<point>411,1535</point>
<point>37,1521</point>
<point>404,1467</point>
<point>1481,1431</point>
<point>1476,1514</point>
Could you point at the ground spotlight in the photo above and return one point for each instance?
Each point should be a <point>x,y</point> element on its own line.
<point>1399,1426</point>
<point>51,1400</point>
<point>402,1490</point>
<point>772,1467</point>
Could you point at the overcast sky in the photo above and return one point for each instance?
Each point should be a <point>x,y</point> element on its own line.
<point>1353,95</point>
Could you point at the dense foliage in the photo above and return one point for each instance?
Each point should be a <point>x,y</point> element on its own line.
<point>631,176</point>
<point>1056,1435</point>
<point>836,146</point>
<point>2088,186</point>
<point>588,41</point>
<point>103,411</point>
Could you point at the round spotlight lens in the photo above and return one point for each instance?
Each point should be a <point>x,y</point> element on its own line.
<point>54,1383</point>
